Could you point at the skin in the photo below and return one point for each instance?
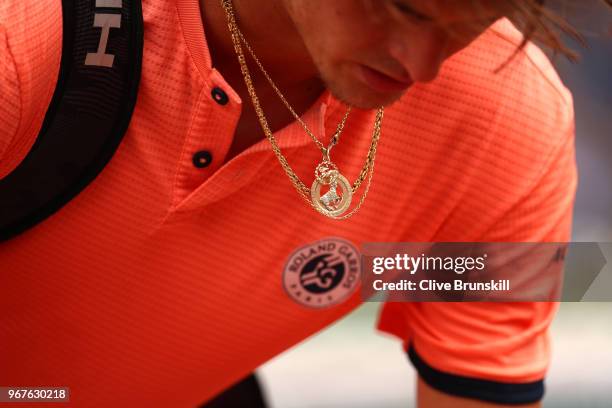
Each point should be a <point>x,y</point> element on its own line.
<point>309,45</point>
<point>319,40</point>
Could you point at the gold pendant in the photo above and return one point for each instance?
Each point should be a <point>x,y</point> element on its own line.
<point>330,203</point>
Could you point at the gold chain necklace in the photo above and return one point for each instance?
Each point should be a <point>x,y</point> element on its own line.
<point>329,204</point>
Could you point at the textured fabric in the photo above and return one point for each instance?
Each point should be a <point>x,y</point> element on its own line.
<point>160,284</point>
<point>29,63</point>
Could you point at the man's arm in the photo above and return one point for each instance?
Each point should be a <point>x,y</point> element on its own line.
<point>510,335</point>
<point>472,354</point>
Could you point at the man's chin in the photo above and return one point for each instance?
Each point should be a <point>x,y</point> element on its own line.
<point>362,98</point>
<point>347,88</point>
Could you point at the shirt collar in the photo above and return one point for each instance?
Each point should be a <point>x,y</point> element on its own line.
<point>315,118</point>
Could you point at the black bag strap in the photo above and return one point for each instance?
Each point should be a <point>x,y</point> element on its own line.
<point>88,115</point>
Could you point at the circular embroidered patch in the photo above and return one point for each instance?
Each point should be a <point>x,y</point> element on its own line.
<point>322,273</point>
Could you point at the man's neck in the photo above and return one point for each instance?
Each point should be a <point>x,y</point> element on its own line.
<point>270,32</point>
<point>280,49</point>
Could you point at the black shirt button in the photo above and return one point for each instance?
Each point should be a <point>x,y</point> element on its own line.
<point>219,96</point>
<point>202,159</point>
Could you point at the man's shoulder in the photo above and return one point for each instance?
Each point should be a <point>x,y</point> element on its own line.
<point>504,128</point>
<point>497,101</point>
<point>491,63</point>
<point>525,91</point>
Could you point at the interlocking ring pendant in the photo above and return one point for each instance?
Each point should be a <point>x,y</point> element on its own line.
<point>330,203</point>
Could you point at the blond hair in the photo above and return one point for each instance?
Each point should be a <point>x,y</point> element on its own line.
<point>539,22</point>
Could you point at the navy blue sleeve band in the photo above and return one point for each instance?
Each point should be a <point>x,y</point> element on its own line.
<point>470,387</point>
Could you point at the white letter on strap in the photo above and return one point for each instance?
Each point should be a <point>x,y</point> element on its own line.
<point>106,21</point>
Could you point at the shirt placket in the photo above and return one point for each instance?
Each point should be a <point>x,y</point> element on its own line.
<point>213,128</point>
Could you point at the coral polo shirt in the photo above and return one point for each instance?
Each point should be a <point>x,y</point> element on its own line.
<point>176,272</point>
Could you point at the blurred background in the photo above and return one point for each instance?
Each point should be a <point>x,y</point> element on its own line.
<point>351,365</point>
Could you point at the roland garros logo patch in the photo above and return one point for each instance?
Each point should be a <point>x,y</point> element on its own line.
<point>322,273</point>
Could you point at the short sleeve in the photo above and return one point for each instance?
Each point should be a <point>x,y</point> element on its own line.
<point>497,352</point>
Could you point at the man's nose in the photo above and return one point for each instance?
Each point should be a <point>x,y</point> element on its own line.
<point>421,56</point>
